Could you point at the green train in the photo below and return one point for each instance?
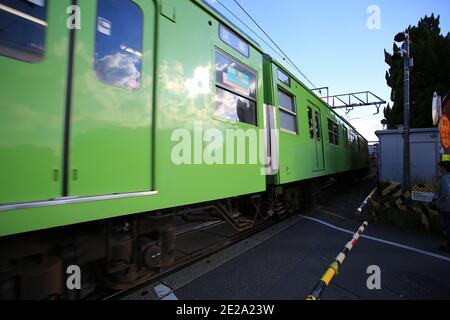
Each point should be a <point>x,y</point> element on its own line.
<point>115,115</point>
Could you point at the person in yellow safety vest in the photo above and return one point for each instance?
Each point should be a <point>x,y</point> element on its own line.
<point>442,200</point>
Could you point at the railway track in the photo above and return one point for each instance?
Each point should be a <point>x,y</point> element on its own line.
<point>185,260</point>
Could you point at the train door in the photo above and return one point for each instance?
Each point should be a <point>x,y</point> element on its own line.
<point>319,139</point>
<point>110,149</point>
<point>33,62</point>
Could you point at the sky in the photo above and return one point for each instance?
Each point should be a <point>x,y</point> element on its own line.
<point>332,45</point>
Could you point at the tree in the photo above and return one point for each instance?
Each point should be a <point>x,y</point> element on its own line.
<point>431,73</point>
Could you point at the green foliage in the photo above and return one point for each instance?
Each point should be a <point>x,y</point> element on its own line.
<point>431,73</point>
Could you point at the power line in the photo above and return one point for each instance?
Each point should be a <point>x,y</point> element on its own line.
<point>281,50</point>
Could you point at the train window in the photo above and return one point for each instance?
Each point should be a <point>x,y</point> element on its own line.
<point>288,116</point>
<point>345,137</point>
<point>235,108</point>
<point>318,128</point>
<point>288,122</point>
<point>310,123</point>
<point>118,43</point>
<point>333,132</point>
<point>353,140</point>
<point>234,41</point>
<point>23,25</point>
<point>236,90</point>
<point>283,77</point>
<point>286,101</point>
<point>235,77</point>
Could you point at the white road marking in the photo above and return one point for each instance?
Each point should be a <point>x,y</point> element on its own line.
<point>170,297</point>
<point>164,292</point>
<point>391,243</point>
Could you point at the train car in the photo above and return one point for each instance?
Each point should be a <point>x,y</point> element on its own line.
<point>314,143</point>
<point>115,115</point>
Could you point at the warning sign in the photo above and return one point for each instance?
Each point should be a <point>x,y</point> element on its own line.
<point>445,132</point>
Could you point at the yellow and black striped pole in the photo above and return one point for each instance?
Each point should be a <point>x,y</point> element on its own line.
<point>333,269</point>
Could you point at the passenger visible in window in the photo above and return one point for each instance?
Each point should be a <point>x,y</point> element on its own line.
<point>245,113</point>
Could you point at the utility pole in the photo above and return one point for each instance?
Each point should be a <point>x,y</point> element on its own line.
<point>407,65</point>
<point>406,85</point>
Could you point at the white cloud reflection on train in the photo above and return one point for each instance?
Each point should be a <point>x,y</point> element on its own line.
<point>119,70</point>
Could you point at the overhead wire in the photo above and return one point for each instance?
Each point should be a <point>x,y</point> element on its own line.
<point>276,45</point>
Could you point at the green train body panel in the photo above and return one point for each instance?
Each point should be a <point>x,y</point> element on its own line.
<point>121,142</point>
<point>32,104</point>
<point>300,156</point>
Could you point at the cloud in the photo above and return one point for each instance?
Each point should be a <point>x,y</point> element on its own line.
<point>119,70</point>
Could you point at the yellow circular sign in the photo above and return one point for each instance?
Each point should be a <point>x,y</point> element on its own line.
<point>445,132</point>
